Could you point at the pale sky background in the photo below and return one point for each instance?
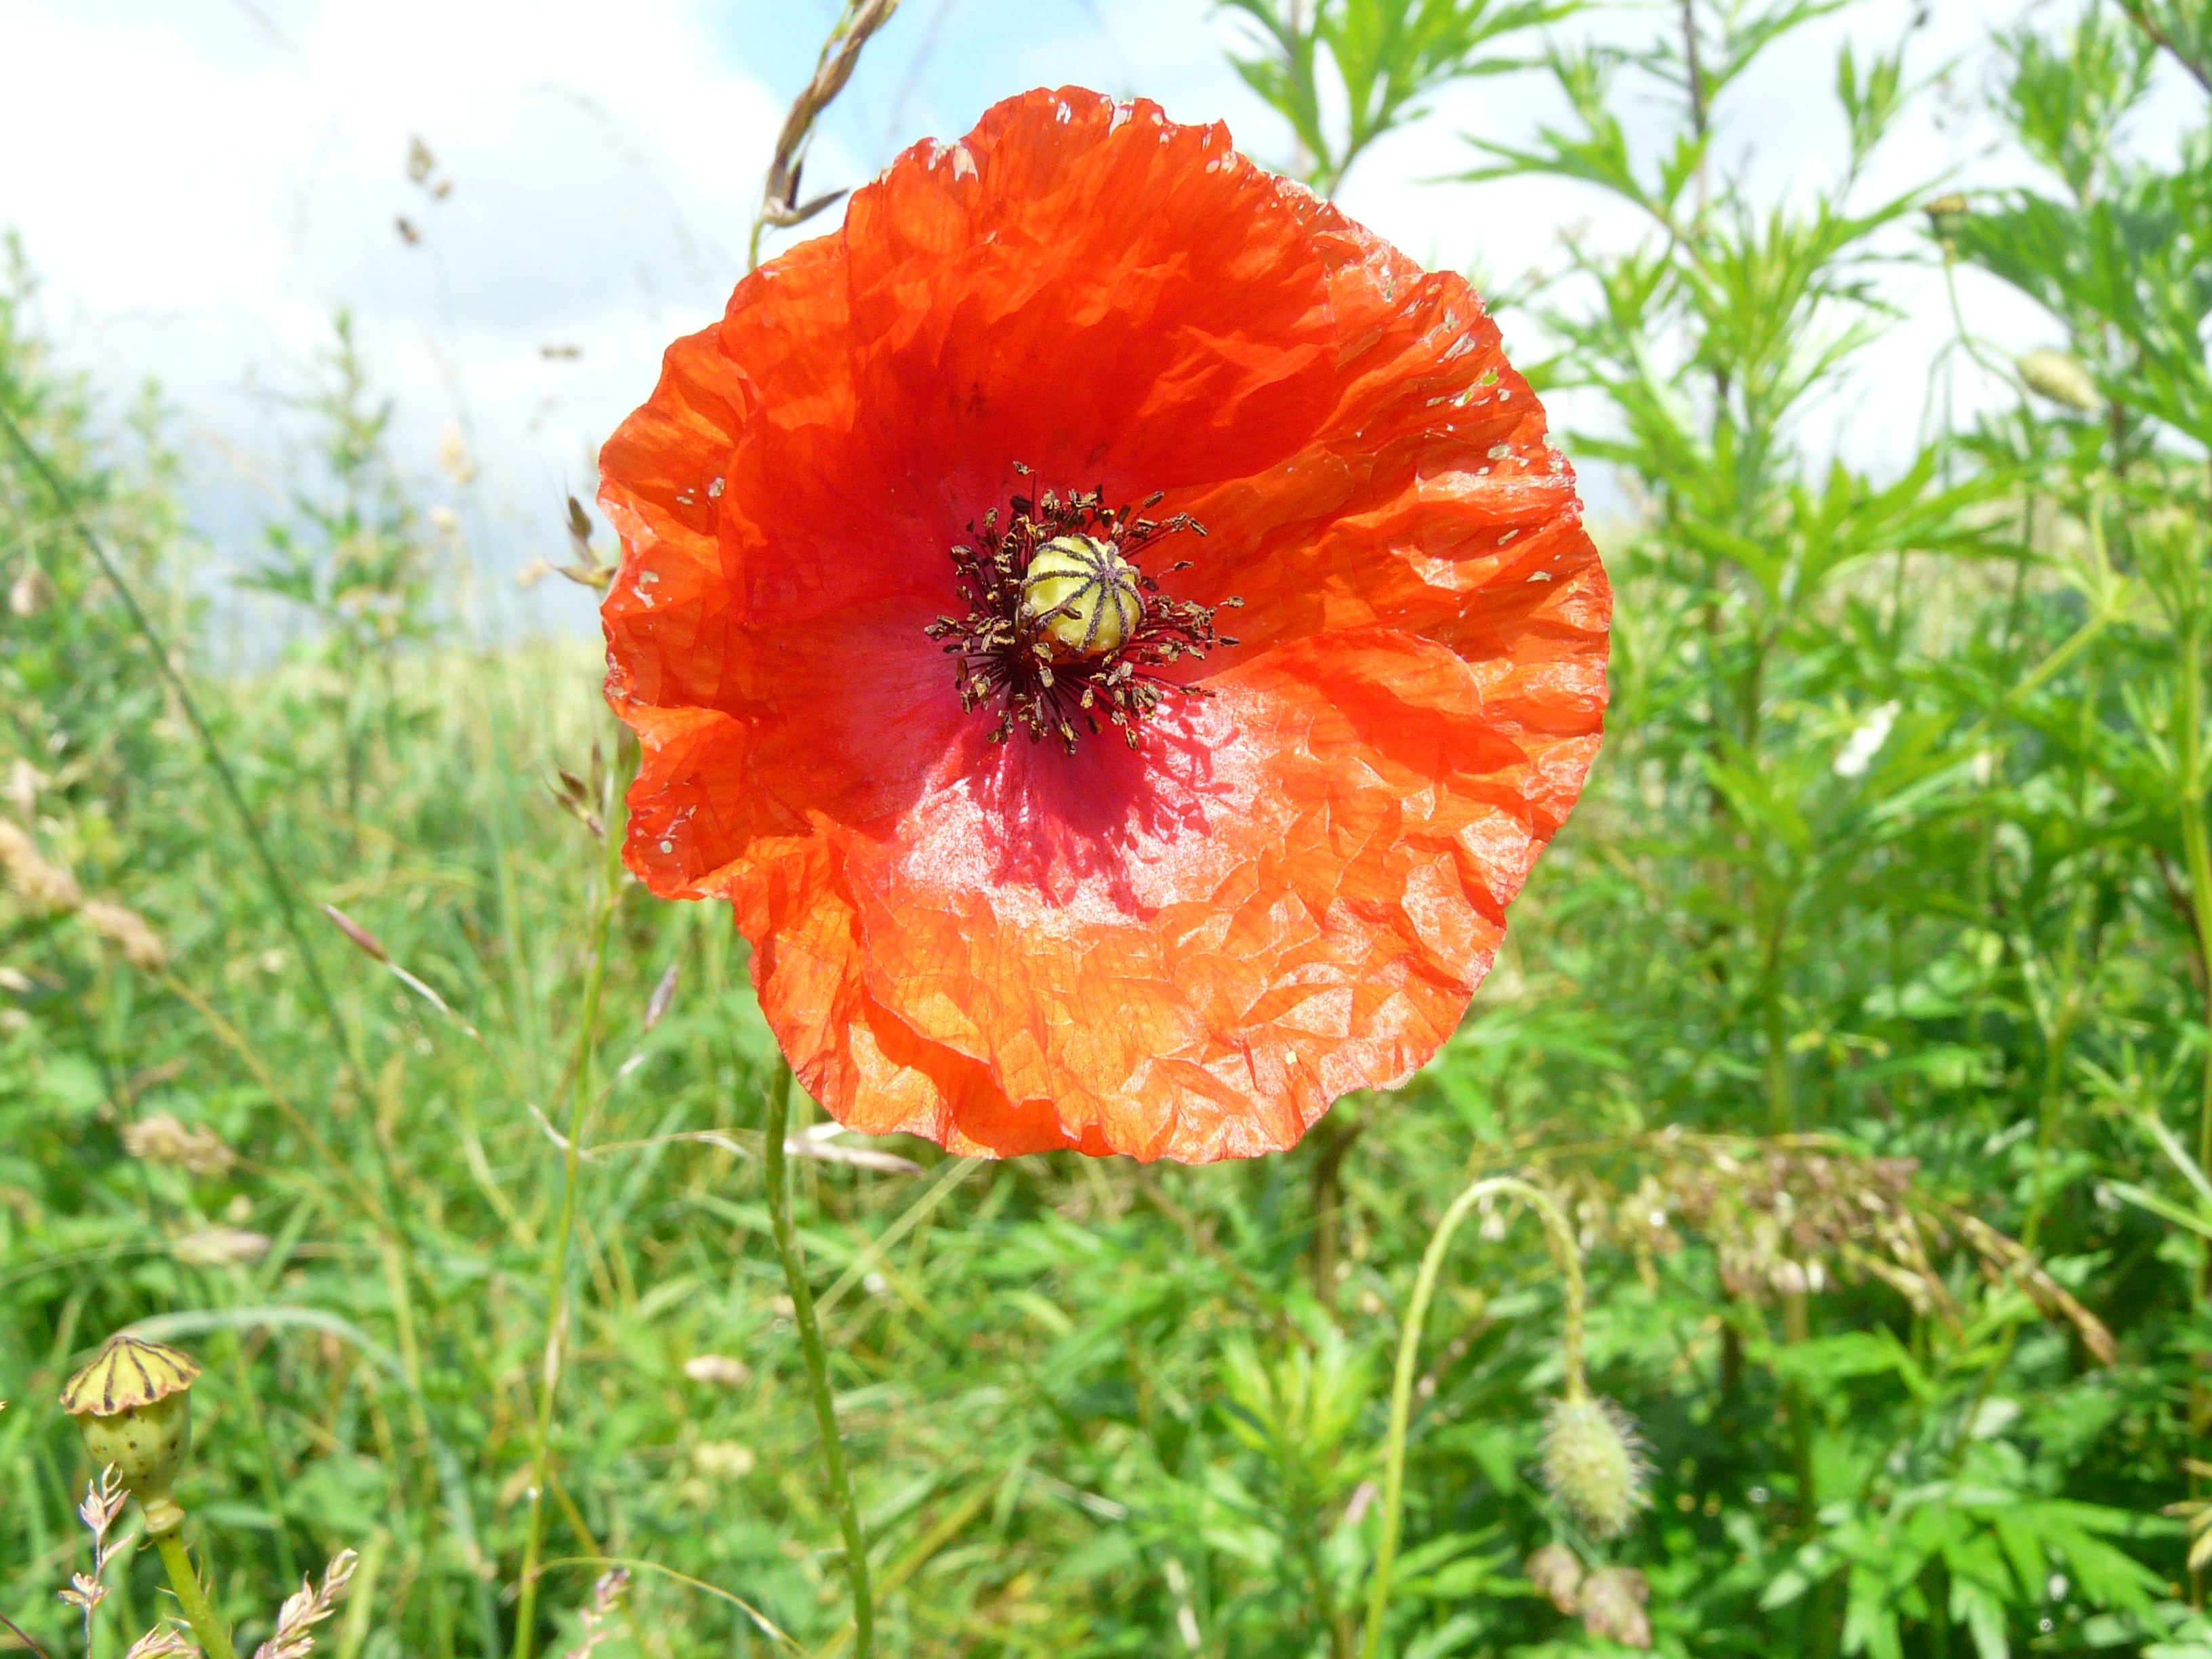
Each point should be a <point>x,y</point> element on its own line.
<point>200,184</point>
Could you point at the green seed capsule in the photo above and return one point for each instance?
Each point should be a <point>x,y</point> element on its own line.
<point>134,1406</point>
<point>1081,597</point>
<point>146,1443</point>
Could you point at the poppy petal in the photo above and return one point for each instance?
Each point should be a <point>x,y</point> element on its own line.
<point>1292,886</point>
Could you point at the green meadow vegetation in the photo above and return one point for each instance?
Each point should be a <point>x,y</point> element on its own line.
<point>1859,1022</point>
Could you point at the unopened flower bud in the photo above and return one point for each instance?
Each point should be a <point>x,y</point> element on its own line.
<point>1082,595</point>
<point>133,1405</point>
<point>1557,1572</point>
<point>1613,1599</point>
<point>1594,1463</point>
<point>2060,378</point>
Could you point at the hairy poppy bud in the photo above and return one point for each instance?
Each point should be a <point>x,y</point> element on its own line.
<point>133,1404</point>
<point>2060,378</point>
<point>1594,1463</point>
<point>1083,595</point>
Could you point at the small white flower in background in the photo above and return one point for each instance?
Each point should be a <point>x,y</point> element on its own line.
<point>445,520</point>
<point>24,782</point>
<point>33,591</point>
<point>1363,1499</point>
<point>1863,744</point>
<point>718,1369</point>
<point>723,1459</point>
<point>220,1247</point>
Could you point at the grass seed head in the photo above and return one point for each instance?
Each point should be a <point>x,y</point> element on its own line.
<point>47,886</point>
<point>129,932</point>
<point>306,1608</point>
<point>159,1138</point>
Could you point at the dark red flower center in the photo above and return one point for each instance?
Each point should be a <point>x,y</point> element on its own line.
<point>1064,627</point>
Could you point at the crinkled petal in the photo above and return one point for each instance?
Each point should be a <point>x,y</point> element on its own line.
<point>1293,887</point>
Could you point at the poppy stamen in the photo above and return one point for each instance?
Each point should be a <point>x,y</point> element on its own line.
<point>1062,623</point>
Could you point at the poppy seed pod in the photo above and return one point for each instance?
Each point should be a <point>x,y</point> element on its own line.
<point>1594,1463</point>
<point>1082,595</point>
<point>133,1405</point>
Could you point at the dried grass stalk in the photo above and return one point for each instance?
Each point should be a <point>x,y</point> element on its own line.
<point>308,1607</point>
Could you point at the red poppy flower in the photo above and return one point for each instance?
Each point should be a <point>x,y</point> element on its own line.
<point>921,622</point>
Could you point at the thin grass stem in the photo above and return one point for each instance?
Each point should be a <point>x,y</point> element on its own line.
<point>818,1362</point>
<point>564,1230</point>
<point>2197,849</point>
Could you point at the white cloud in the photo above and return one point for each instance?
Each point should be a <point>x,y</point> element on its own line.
<point>201,184</point>
<point>213,180</point>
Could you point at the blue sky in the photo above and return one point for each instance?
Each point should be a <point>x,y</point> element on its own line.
<point>200,184</point>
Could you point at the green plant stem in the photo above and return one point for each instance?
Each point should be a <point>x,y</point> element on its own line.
<point>214,1638</point>
<point>2197,851</point>
<point>817,1361</point>
<point>564,1230</point>
<point>1566,1256</point>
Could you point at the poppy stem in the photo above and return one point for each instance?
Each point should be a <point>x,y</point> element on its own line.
<point>185,1579</point>
<point>1566,1256</point>
<point>818,1362</point>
